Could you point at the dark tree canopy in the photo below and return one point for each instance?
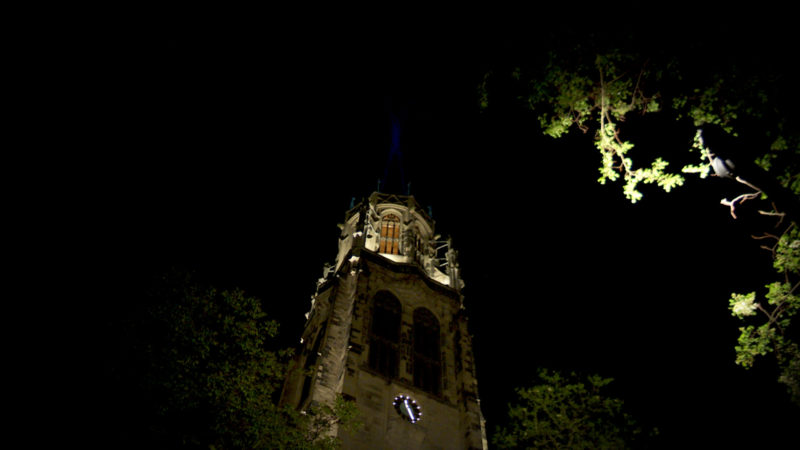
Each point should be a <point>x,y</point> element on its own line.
<point>201,373</point>
<point>566,411</point>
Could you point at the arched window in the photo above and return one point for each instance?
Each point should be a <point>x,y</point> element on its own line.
<point>427,357</point>
<point>384,333</point>
<point>390,235</point>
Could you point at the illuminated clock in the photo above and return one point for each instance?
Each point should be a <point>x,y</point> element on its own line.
<point>408,408</point>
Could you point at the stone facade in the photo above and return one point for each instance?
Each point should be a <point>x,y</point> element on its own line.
<point>348,350</point>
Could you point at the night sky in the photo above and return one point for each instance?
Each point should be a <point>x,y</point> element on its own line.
<point>235,149</point>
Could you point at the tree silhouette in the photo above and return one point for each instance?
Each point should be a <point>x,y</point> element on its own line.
<point>565,411</point>
<point>201,374</point>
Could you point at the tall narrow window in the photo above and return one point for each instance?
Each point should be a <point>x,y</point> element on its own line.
<point>384,340</point>
<point>390,235</point>
<point>427,358</point>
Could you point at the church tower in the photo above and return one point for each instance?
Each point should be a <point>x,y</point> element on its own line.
<point>387,329</point>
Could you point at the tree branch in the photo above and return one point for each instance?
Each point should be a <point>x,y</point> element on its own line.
<point>769,316</point>
<point>740,199</point>
<point>748,184</point>
<point>602,103</point>
<point>765,236</point>
<point>774,213</point>
<point>636,88</point>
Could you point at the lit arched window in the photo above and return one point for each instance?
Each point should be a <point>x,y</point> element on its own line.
<point>384,333</point>
<point>427,359</point>
<point>390,235</point>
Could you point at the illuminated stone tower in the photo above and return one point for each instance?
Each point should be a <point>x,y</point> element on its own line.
<point>387,329</point>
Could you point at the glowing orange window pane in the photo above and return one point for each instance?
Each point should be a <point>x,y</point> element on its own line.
<point>390,235</point>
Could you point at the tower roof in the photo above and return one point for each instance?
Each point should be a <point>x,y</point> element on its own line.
<point>408,201</point>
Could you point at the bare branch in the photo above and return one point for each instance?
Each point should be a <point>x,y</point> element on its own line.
<point>748,184</point>
<point>765,236</point>
<point>602,102</point>
<point>769,316</point>
<point>771,213</point>
<point>616,136</point>
<point>636,88</point>
<point>775,213</point>
<point>740,199</point>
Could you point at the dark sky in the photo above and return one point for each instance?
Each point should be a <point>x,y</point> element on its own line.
<point>234,149</point>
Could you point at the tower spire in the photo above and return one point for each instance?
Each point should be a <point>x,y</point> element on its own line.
<point>394,181</point>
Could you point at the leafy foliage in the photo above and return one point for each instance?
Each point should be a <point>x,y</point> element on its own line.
<point>318,421</point>
<point>211,379</point>
<point>597,89</point>
<point>782,304</point>
<point>599,97</point>
<point>567,412</point>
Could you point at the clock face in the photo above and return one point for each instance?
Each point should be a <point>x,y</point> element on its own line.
<point>408,408</point>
